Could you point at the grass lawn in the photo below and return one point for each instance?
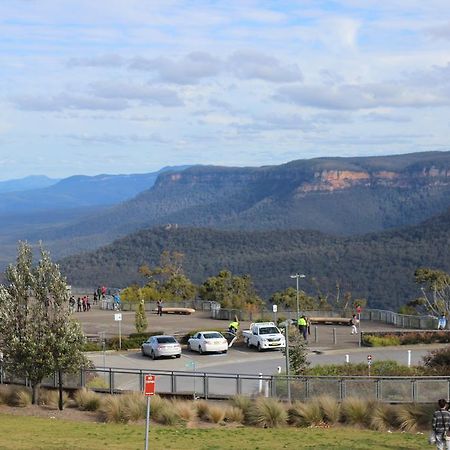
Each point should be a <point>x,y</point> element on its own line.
<point>25,432</point>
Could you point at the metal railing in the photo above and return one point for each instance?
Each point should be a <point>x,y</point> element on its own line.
<point>222,385</point>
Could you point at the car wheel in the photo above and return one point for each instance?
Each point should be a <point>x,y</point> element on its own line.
<point>258,347</point>
<point>225,351</point>
<point>178,356</point>
<point>248,343</point>
<point>152,355</point>
<point>143,351</point>
<point>200,350</point>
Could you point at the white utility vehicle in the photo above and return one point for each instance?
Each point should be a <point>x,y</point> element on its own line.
<point>264,335</point>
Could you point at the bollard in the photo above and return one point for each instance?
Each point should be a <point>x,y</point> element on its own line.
<point>260,387</point>
<point>347,358</point>
<point>409,358</point>
<point>334,336</point>
<point>266,389</point>
<point>315,334</point>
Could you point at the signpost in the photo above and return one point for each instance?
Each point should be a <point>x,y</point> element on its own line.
<point>358,311</point>
<point>275,310</point>
<point>149,390</point>
<point>118,318</point>
<point>369,362</point>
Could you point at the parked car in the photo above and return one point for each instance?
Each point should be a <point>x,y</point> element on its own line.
<point>264,335</point>
<point>208,341</point>
<point>158,346</point>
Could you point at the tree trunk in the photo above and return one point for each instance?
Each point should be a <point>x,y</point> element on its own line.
<point>60,388</point>
<point>34,393</point>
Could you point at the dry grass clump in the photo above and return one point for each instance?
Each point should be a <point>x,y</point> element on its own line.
<point>267,412</point>
<point>234,414</point>
<point>383,417</point>
<point>243,403</point>
<point>215,414</point>
<point>156,406</point>
<point>50,398</point>
<point>135,406</point>
<point>112,409</point>
<point>356,411</point>
<point>202,408</point>
<point>15,395</point>
<point>305,414</point>
<point>330,408</point>
<point>185,409</point>
<point>87,400</point>
<point>412,416</point>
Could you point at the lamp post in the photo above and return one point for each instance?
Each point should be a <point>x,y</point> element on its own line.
<point>297,276</point>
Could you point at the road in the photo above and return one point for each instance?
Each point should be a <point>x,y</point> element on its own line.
<point>245,361</point>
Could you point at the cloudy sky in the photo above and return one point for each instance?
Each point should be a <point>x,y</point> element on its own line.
<point>123,86</point>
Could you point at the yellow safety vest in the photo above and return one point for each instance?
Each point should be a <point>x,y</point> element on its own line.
<point>302,322</point>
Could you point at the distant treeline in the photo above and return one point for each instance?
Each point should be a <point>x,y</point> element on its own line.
<point>378,266</point>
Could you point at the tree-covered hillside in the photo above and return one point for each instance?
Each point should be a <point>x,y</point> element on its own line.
<point>377,266</point>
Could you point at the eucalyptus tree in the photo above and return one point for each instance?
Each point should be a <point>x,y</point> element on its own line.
<point>39,335</point>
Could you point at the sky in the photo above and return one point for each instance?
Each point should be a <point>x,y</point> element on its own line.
<point>130,86</point>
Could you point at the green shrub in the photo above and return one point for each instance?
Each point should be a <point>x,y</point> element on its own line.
<point>381,341</point>
<point>438,360</point>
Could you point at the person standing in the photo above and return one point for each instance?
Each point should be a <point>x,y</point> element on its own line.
<point>353,322</point>
<point>159,307</point>
<point>303,326</point>
<point>440,425</point>
<point>79,305</point>
<point>442,323</point>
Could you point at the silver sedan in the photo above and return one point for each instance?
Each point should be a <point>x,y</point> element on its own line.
<point>158,346</point>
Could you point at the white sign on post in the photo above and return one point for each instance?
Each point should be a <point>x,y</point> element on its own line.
<point>274,308</point>
<point>118,318</point>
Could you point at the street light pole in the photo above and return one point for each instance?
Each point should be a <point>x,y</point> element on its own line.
<point>297,276</point>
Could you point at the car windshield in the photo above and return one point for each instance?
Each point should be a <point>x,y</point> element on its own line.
<point>213,336</point>
<point>166,340</point>
<point>268,330</point>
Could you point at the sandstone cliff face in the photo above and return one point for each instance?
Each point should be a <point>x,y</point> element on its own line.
<point>332,180</point>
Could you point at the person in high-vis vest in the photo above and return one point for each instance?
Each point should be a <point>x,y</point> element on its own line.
<point>303,326</point>
<point>233,327</point>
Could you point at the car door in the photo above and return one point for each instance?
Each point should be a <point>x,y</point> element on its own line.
<point>194,341</point>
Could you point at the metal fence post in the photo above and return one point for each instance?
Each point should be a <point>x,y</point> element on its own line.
<point>141,380</point>
<point>111,381</point>
<point>315,334</point>
<point>205,386</point>
<point>238,385</point>
<point>413,390</point>
<point>334,336</point>
<point>378,385</point>
<point>173,383</point>
<point>306,388</point>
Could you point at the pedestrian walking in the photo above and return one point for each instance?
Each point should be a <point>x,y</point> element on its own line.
<point>440,426</point>
<point>159,307</point>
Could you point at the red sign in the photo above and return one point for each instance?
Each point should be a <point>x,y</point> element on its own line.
<point>358,309</point>
<point>149,385</point>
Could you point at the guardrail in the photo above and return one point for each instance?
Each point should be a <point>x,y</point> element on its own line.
<point>222,385</point>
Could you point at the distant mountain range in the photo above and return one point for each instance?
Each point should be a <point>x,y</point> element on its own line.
<point>376,266</point>
<point>339,198</point>
<point>27,183</point>
<point>74,192</point>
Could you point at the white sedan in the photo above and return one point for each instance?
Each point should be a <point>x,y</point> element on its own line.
<point>208,341</point>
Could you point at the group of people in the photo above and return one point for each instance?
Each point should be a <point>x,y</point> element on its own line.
<point>440,426</point>
<point>82,304</point>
